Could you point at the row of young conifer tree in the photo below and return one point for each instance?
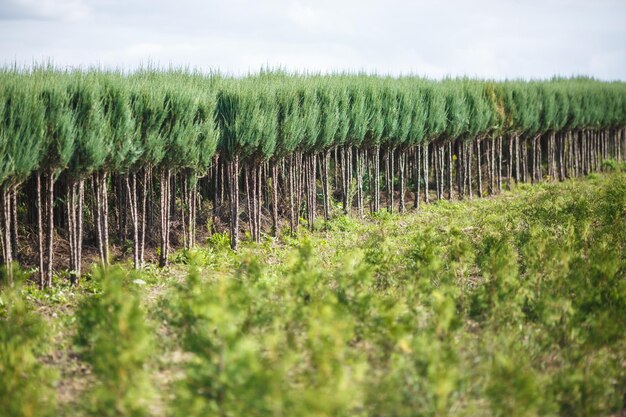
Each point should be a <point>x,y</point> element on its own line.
<point>100,158</point>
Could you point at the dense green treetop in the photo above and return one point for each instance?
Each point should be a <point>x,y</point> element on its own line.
<point>83,121</point>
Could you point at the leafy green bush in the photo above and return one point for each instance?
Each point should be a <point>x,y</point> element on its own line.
<point>502,307</point>
<point>115,340</point>
<point>25,384</point>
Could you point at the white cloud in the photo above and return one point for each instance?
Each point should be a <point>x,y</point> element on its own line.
<point>487,38</point>
<point>64,10</point>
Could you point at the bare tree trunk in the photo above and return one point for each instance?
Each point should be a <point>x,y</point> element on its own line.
<point>249,197</point>
<point>40,232</point>
<point>377,179</point>
<point>418,170</point>
<point>193,210</point>
<point>79,237</point>
<point>464,168</point>
<point>470,158</point>
<point>488,155</point>
<point>553,152</point>
<point>426,174</point>
<point>292,223</point>
<point>442,169</point>
<point>95,186</point>
<point>184,203</point>
<point>165,216</point>
<point>539,159</point>
<point>216,188</point>
<point>578,152</point>
<point>437,169</point>
<point>509,165</point>
<point>460,169</point>
<point>534,152</point>
<point>479,168</point>
<point>274,199</point>
<point>70,211</point>
<point>524,160</point>
<point>14,233</point>
<point>336,159</point>
<point>349,177</point>
<point>517,167</point>
<point>313,187</point>
<point>500,164</point>
<point>401,164</point>
<point>50,229</point>
<point>324,161</point>
<point>560,161</point>
<point>131,186</point>
<point>361,160</point>
<point>105,215</point>
<point>388,181</point>
<point>258,202</point>
<point>233,176</point>
<point>450,188</point>
<point>146,185</point>
<point>6,235</point>
<point>618,144</point>
<point>74,207</point>
<point>254,201</point>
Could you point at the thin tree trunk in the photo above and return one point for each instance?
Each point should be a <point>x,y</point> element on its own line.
<point>517,167</point>
<point>40,233</point>
<point>131,186</point>
<point>500,164</point>
<point>146,185</point>
<point>560,160</point>
<point>79,237</point>
<point>534,152</point>
<point>401,165</point>
<point>184,203</point>
<point>165,216</point>
<point>418,169</point>
<point>470,157</point>
<point>313,188</point>
<point>489,147</point>
<point>292,224</point>
<point>460,169</point>
<point>509,165</point>
<point>377,179</point>
<point>426,176</point>
<point>234,202</point>
<point>275,199</point>
<point>437,169</point>
<point>246,181</point>
<point>50,229</point>
<point>259,202</point>
<point>192,210</point>
<point>6,236</point>
<point>95,186</point>
<point>479,168</point>
<point>524,160</point>
<point>450,187</point>
<point>14,232</point>
<point>360,171</point>
<point>70,211</point>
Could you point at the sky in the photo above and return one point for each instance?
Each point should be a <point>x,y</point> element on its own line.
<point>483,38</point>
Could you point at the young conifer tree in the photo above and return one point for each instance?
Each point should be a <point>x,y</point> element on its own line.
<point>91,149</point>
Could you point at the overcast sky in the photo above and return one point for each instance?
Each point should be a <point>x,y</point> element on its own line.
<point>486,38</point>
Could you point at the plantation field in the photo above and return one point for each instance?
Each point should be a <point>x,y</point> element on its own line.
<point>513,305</point>
<point>115,164</point>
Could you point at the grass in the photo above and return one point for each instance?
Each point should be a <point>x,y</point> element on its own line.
<point>512,305</point>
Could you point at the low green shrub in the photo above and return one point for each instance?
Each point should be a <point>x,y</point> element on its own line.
<point>113,337</point>
<point>25,383</point>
